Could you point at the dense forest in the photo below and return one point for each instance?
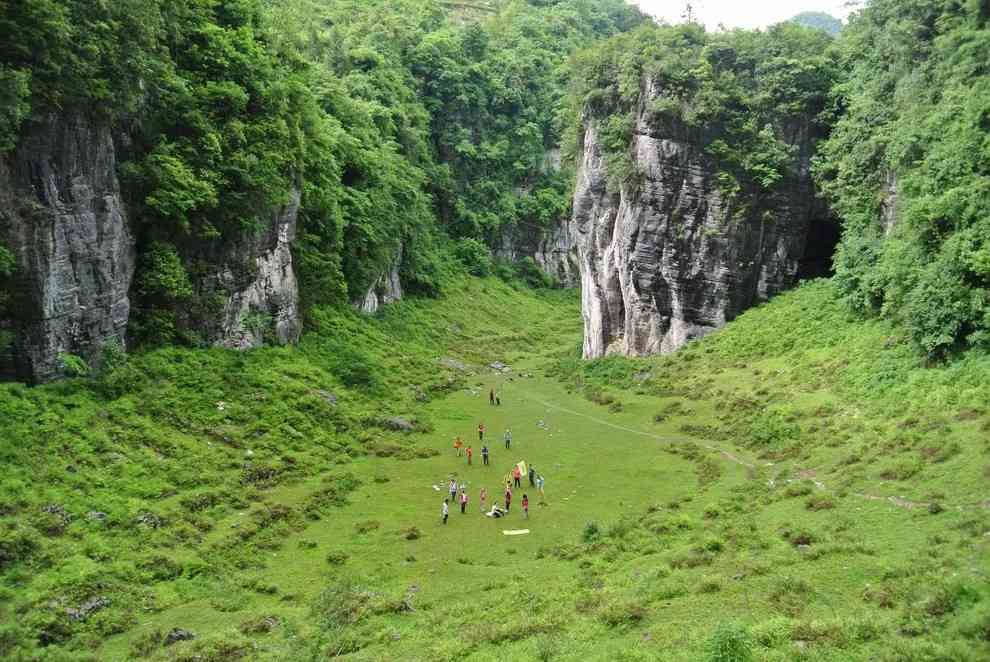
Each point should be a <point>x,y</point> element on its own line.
<point>908,168</point>
<point>403,123</point>
<point>418,133</point>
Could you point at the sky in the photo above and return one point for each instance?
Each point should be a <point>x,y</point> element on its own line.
<point>740,13</point>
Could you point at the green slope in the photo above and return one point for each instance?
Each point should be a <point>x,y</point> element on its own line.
<point>768,489</point>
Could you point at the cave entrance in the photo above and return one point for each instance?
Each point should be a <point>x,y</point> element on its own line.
<point>819,248</point>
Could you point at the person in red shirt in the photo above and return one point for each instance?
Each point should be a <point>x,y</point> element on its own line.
<point>469,453</point>
<point>525,505</point>
<point>516,475</point>
<point>464,501</point>
<point>508,497</point>
<point>481,432</point>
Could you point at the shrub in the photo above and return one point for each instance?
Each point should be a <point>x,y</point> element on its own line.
<point>17,544</point>
<point>772,429</point>
<point>902,470</point>
<point>591,532</point>
<point>337,558</point>
<point>773,632</point>
<point>729,643</point>
<point>474,255</point>
<point>365,527</point>
<point>819,502</point>
<point>975,623</point>
<point>73,366</point>
<point>615,614</point>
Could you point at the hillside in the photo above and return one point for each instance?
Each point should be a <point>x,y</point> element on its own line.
<point>801,502</point>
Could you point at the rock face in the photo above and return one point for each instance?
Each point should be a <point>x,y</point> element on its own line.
<point>669,258</point>
<point>387,289</point>
<point>553,250</point>
<point>256,283</point>
<point>62,215</point>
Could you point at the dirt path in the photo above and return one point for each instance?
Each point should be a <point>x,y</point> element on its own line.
<point>805,474</point>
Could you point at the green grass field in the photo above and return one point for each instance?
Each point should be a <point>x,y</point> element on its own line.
<point>795,487</point>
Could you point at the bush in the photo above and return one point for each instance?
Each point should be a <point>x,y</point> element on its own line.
<point>337,558</point>
<point>819,502</point>
<point>615,614</point>
<point>474,255</point>
<point>772,429</point>
<point>729,643</point>
<point>591,532</point>
<point>73,366</point>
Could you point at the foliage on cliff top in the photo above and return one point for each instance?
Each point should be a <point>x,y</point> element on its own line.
<point>737,94</point>
<point>908,169</point>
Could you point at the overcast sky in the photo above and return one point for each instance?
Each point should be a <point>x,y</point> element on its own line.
<point>740,13</point>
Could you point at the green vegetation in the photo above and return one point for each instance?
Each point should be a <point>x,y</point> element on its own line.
<point>795,501</point>
<point>400,123</point>
<point>907,169</point>
<point>803,485</point>
<point>737,93</point>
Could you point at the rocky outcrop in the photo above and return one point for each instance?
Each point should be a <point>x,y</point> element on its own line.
<point>62,215</point>
<point>387,289</point>
<point>553,250</point>
<point>254,280</point>
<point>668,257</point>
<point>888,203</point>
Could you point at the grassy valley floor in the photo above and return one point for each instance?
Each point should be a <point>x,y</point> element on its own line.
<point>795,487</point>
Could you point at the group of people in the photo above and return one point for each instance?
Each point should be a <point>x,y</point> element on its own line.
<point>457,494</point>
<point>485,453</point>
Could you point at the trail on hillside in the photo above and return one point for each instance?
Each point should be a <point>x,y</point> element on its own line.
<point>898,502</point>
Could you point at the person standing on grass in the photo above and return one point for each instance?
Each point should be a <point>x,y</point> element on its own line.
<point>508,497</point>
<point>491,397</point>
<point>525,505</point>
<point>484,455</point>
<point>508,438</point>
<point>464,501</point>
<point>498,400</point>
<point>452,488</point>
<point>444,511</point>
<point>539,485</point>
<point>516,476</point>
<point>458,443</point>
<point>469,454</point>
<point>532,475</point>
<point>482,497</point>
<point>481,432</point>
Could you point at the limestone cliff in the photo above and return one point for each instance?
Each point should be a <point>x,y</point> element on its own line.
<point>668,257</point>
<point>62,216</point>
<point>385,290</point>
<point>251,278</point>
<point>553,250</point>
